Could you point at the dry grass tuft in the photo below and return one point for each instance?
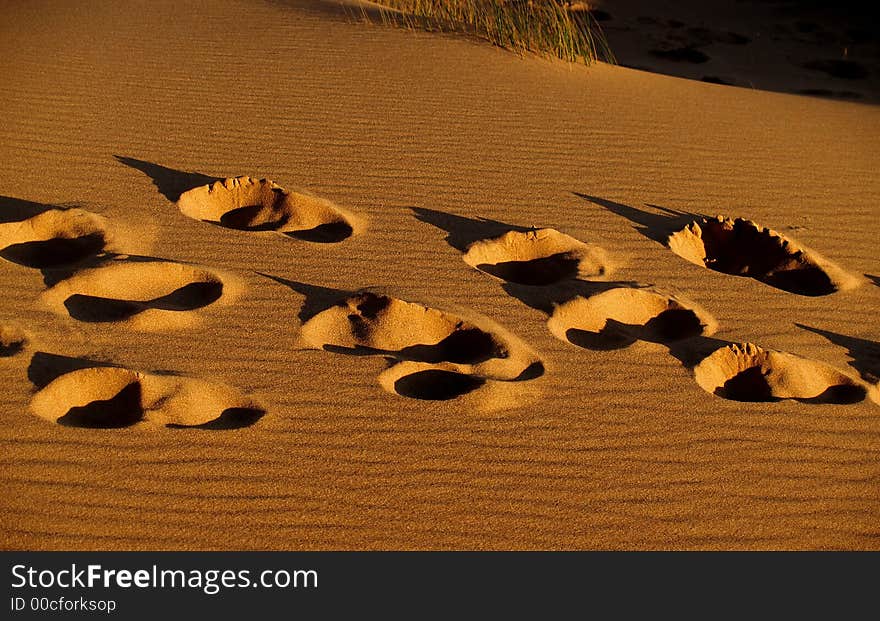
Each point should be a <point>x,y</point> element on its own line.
<point>554,28</point>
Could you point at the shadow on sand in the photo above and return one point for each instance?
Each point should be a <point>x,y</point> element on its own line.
<point>657,226</point>
<point>865,354</point>
<point>171,183</point>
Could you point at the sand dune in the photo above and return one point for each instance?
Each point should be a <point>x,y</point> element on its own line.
<point>481,317</point>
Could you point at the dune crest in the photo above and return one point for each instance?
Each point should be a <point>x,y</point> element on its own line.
<point>248,204</point>
<point>141,293</point>
<point>621,316</point>
<point>747,372</point>
<point>537,257</point>
<point>54,238</point>
<point>115,397</point>
<point>743,248</point>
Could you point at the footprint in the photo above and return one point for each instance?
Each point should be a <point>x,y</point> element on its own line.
<point>747,372</point>
<point>682,55</point>
<point>621,316</point>
<point>536,257</point>
<point>13,340</point>
<point>246,204</point>
<point>445,382</point>
<point>844,69</point>
<point>743,248</point>
<point>141,293</point>
<point>368,323</point>
<point>109,397</point>
<point>713,79</point>
<point>824,92</point>
<point>54,238</point>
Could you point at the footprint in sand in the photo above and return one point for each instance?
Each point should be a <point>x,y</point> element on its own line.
<point>141,293</point>
<point>368,323</point>
<point>619,317</point>
<point>743,248</point>
<point>836,68</point>
<point>747,372</point>
<point>247,204</point>
<point>518,254</point>
<point>437,355</point>
<point>54,238</point>
<point>13,340</point>
<point>446,382</point>
<point>109,397</point>
<point>536,257</point>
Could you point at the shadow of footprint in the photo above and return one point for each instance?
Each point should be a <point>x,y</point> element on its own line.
<point>144,294</point>
<point>54,238</point>
<point>247,204</point>
<point>865,354</point>
<point>443,382</point>
<point>747,372</point>
<point>171,183</point>
<point>13,340</point>
<point>619,317</point>
<point>436,385</point>
<point>112,397</point>
<point>743,248</point>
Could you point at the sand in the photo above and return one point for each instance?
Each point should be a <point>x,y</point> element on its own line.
<point>432,301</point>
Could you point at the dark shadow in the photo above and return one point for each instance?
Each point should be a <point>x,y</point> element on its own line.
<point>45,367</point>
<point>545,298</point>
<point>533,371</point>
<point>122,410</point>
<point>94,309</point>
<point>242,219</point>
<point>536,272</point>
<point>842,394</point>
<point>12,347</point>
<point>656,226</point>
<point>330,233</point>
<point>873,279</point>
<point>461,231</point>
<point>436,385</point>
<point>750,385</point>
<point>53,275</point>
<point>230,418</point>
<point>465,346</point>
<point>171,183</point>
<point>690,352</point>
<point>865,354</point>
<point>317,298</point>
<point>16,209</point>
<point>667,327</point>
<point>746,250</point>
<point>189,297</point>
<point>55,252</point>
<point>682,55</point>
<point>836,68</point>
